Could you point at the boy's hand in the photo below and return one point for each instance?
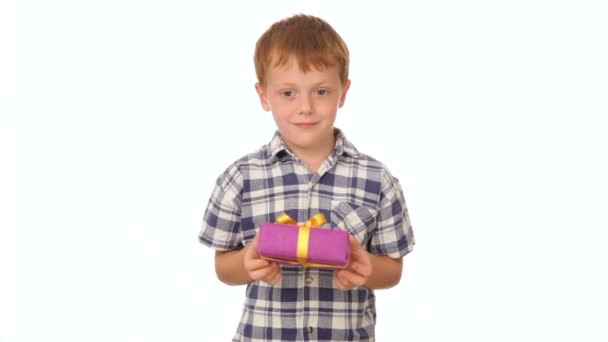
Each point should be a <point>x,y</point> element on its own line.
<point>258,268</point>
<point>357,271</point>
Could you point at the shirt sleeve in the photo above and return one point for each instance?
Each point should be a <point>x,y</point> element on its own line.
<point>221,221</point>
<point>394,235</point>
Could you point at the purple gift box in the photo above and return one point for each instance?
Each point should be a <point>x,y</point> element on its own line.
<point>326,247</point>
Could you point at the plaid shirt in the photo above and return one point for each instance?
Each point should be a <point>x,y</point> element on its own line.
<point>354,191</point>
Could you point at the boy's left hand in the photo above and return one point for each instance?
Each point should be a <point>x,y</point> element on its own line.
<point>358,270</point>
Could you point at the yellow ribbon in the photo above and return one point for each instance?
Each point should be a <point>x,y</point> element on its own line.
<point>303,239</point>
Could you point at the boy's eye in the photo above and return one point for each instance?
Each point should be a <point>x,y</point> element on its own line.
<point>321,91</point>
<point>287,93</point>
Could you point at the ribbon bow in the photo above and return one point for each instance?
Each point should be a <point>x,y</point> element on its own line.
<point>303,238</point>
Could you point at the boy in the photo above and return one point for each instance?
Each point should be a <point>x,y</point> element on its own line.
<point>308,167</point>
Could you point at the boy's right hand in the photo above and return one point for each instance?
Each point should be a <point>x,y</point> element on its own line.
<point>258,268</point>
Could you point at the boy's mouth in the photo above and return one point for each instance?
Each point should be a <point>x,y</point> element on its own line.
<point>305,124</point>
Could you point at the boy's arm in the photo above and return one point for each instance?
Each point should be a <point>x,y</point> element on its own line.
<point>393,236</point>
<point>229,267</point>
<point>386,272</point>
<point>238,267</point>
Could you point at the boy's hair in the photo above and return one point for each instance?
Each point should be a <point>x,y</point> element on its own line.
<point>308,39</point>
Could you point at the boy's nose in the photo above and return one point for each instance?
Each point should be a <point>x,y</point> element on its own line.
<point>305,104</point>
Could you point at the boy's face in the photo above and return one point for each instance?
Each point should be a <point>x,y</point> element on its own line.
<point>304,105</point>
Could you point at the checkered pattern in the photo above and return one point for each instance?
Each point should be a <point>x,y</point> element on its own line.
<point>354,191</point>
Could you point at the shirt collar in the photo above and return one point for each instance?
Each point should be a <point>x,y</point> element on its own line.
<point>278,148</point>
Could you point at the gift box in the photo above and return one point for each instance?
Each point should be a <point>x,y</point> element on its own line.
<point>307,245</point>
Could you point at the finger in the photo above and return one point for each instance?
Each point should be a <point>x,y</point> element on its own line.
<point>337,282</point>
<point>275,278</point>
<point>254,264</point>
<point>353,242</point>
<point>340,275</point>
<point>352,278</point>
<point>252,248</point>
<point>260,273</point>
<point>358,254</point>
<point>277,267</point>
<point>279,271</point>
<point>355,246</point>
<point>272,281</point>
<point>356,251</point>
<point>362,269</point>
<point>273,271</point>
<point>340,283</point>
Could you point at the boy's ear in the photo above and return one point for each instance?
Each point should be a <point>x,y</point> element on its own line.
<point>260,90</point>
<point>344,91</point>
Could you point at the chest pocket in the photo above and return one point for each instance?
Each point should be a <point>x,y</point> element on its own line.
<point>359,220</point>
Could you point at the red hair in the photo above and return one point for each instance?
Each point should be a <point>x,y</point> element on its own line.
<point>309,40</point>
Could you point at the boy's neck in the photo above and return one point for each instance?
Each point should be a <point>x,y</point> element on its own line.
<point>314,157</point>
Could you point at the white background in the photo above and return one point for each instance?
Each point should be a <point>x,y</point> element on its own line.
<point>117,117</point>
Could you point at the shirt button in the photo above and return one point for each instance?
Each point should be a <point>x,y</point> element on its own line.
<point>309,330</point>
<point>309,279</point>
